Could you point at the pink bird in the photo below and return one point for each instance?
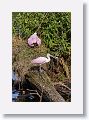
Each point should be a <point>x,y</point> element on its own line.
<point>34,39</point>
<point>42,60</point>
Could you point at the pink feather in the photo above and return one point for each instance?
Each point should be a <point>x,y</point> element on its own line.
<point>34,39</point>
<point>39,60</point>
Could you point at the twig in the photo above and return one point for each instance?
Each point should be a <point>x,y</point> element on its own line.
<point>32,90</point>
<point>65,67</point>
<point>61,84</point>
<point>42,87</point>
<point>26,95</point>
<point>41,95</point>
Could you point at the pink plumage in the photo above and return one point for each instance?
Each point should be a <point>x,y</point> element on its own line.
<point>41,60</point>
<point>34,39</point>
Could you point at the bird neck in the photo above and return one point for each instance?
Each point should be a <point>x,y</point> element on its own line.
<point>48,57</point>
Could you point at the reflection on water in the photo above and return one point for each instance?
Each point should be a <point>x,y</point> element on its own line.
<point>27,92</point>
<point>14,77</point>
<point>15,94</point>
<point>31,97</point>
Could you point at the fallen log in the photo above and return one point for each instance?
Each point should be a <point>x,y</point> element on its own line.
<point>43,83</point>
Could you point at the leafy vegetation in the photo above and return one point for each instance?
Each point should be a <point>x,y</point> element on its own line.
<point>54,29</point>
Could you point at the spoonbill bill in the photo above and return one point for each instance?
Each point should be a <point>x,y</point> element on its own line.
<point>42,60</point>
<point>34,39</point>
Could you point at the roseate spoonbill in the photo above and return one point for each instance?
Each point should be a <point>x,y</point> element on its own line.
<point>42,60</point>
<point>34,39</point>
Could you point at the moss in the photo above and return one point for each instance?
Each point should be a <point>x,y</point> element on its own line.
<point>61,77</point>
<point>23,54</point>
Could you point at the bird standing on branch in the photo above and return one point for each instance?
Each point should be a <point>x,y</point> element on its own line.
<point>42,60</point>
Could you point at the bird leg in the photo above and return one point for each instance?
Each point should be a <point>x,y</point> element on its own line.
<point>40,69</point>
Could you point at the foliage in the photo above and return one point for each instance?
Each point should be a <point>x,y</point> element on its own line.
<point>54,29</point>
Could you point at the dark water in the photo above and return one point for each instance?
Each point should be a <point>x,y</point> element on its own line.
<point>14,77</point>
<point>15,94</point>
<point>27,91</point>
<point>18,96</point>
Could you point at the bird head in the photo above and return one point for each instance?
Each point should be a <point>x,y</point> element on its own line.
<point>35,33</point>
<point>49,55</point>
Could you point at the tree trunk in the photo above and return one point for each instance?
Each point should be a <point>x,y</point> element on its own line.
<point>43,83</point>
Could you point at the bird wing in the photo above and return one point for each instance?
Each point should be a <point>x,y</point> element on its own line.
<point>39,60</point>
<point>32,39</point>
<point>38,41</point>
